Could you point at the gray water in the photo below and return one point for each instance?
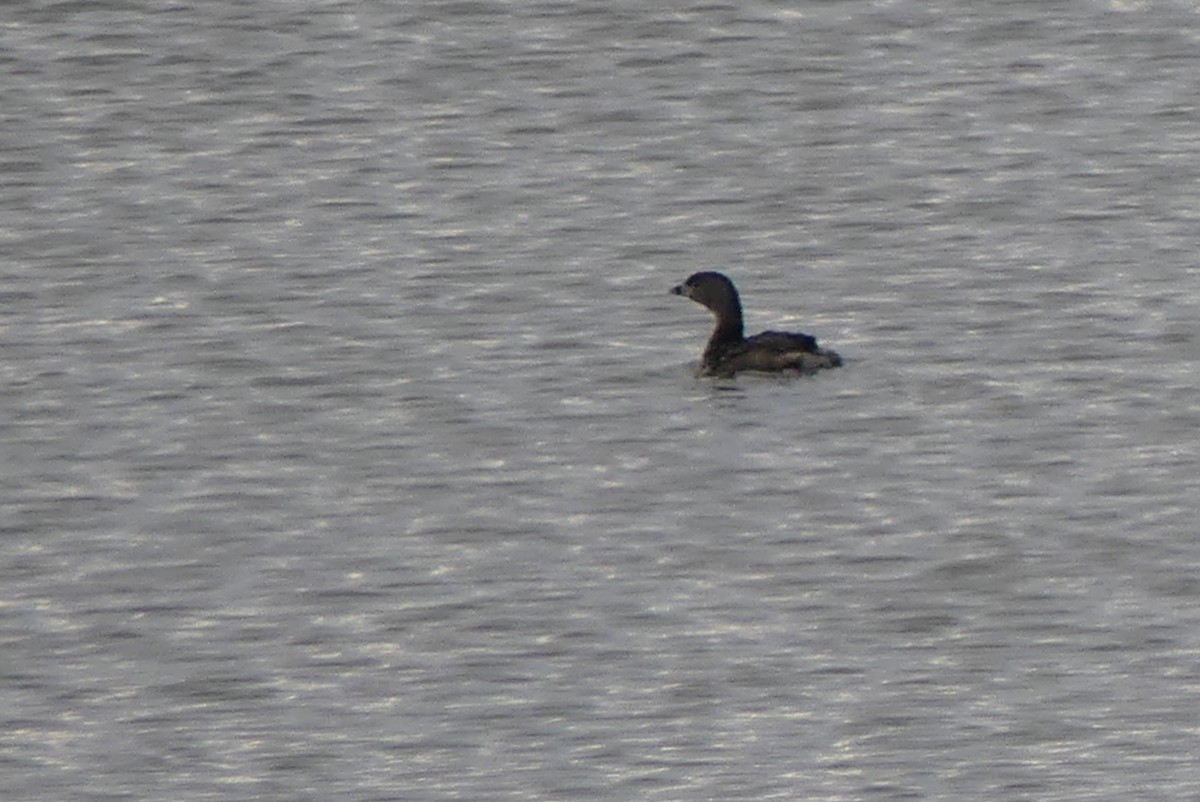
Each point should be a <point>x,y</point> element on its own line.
<point>351,447</point>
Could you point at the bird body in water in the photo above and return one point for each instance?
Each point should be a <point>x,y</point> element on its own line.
<point>729,351</point>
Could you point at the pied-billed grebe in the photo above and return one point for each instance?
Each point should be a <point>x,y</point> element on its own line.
<point>729,351</point>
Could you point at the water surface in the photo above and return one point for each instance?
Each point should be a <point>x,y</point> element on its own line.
<point>352,449</point>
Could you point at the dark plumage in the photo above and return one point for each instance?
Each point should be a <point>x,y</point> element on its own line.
<point>729,351</point>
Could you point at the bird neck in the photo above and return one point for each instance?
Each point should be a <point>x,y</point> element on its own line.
<point>728,332</point>
<point>729,322</point>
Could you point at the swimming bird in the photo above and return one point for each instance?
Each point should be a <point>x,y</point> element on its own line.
<point>729,351</point>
